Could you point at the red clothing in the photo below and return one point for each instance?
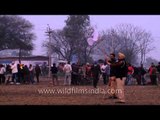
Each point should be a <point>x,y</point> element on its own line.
<point>130,70</point>
<point>150,71</point>
<point>88,71</point>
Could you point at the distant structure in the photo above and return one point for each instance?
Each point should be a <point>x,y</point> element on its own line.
<point>40,60</point>
<point>9,53</point>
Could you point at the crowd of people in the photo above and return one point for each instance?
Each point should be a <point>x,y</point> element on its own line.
<point>139,75</point>
<point>115,72</point>
<point>19,74</point>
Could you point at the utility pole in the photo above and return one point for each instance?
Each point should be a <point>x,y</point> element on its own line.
<point>20,55</point>
<point>112,41</point>
<point>49,31</point>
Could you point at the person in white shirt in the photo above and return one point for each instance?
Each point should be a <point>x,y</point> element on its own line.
<point>105,73</point>
<point>14,72</point>
<point>67,69</point>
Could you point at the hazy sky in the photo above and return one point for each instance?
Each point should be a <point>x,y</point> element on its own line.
<point>150,23</point>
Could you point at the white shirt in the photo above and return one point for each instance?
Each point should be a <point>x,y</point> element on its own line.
<point>14,68</point>
<point>67,68</point>
<point>31,69</point>
<point>103,68</point>
<point>2,70</point>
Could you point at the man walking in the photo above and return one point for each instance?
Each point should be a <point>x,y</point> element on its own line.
<point>54,71</point>
<point>67,69</point>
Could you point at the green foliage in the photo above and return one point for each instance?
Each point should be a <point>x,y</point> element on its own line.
<point>77,31</point>
<point>15,33</point>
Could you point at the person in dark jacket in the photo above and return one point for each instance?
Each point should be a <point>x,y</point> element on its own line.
<point>54,71</point>
<point>136,75</point>
<point>38,72</point>
<point>112,78</point>
<point>158,71</point>
<point>142,73</point>
<point>26,74</point>
<point>74,77</point>
<point>95,72</point>
<point>2,74</point>
<point>121,74</point>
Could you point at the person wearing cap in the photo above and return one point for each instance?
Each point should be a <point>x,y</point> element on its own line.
<point>121,74</point>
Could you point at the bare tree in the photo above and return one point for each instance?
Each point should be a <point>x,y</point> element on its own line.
<point>129,39</point>
<point>59,44</point>
<point>72,39</point>
<point>145,45</point>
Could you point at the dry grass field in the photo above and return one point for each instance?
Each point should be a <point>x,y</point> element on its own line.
<point>73,95</point>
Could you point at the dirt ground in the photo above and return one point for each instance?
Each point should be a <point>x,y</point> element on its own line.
<point>73,95</point>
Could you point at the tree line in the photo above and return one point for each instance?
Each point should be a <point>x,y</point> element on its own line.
<point>73,39</point>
